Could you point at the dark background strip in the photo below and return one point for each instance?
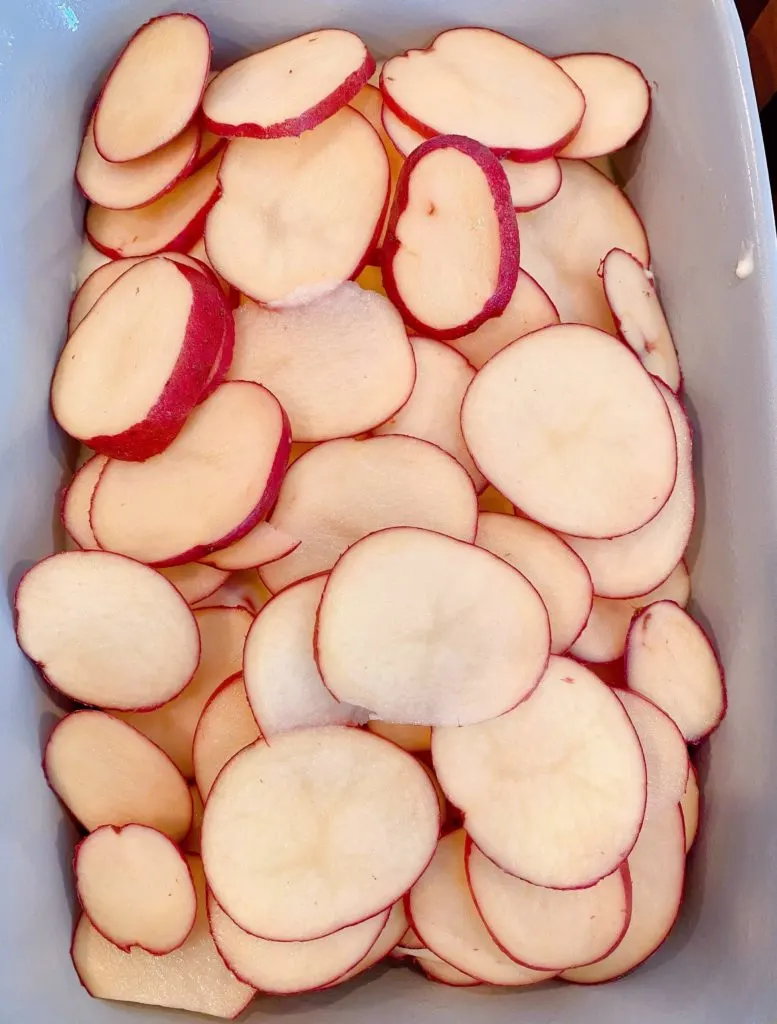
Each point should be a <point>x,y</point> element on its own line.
<point>759,18</point>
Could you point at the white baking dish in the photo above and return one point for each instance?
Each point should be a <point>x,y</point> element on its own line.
<point>700,183</point>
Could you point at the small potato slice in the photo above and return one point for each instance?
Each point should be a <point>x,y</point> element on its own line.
<point>135,887</point>
<point>450,257</point>
<point>564,242</point>
<point>137,182</point>
<point>107,773</point>
<point>322,829</point>
<point>666,755</point>
<point>604,636</point>
<point>153,90</point>
<point>174,222</point>
<point>617,103</point>
<point>392,932</point>
<point>270,233</point>
<point>640,561</point>
<point>433,409</point>
<point>193,978</point>
<point>106,630</point>
<point>670,660</point>
<point>485,85</point>
<point>135,367</point>
<point>637,312</point>
<point>208,489</point>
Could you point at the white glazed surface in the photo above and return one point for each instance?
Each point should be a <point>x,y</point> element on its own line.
<point>700,182</point>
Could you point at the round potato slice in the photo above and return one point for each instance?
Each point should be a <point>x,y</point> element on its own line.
<point>106,630</point>
<point>555,791</point>
<point>322,829</point>
<point>568,425</point>
<point>421,629</point>
<point>135,888</point>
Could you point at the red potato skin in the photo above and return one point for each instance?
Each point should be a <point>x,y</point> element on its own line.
<point>221,366</point>
<point>118,829</point>
<point>193,371</point>
<point>669,929</point>
<point>507,277</point>
<point>283,991</point>
<point>295,126</point>
<point>625,875</point>
<point>151,21</point>
<point>374,253</point>
<point>260,511</point>
<point>629,639</point>
<point>618,322</point>
<point>41,668</point>
<point>643,127</point>
<point>191,166</point>
<point>519,155</point>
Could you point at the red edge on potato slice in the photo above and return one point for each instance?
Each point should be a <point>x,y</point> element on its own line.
<point>149,25</point>
<point>507,276</point>
<point>575,147</point>
<point>188,232</point>
<point>91,168</point>
<point>638,303</point>
<point>194,375</point>
<point>640,621</point>
<point>118,829</point>
<point>294,126</point>
<point>530,156</point>
<point>266,502</point>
